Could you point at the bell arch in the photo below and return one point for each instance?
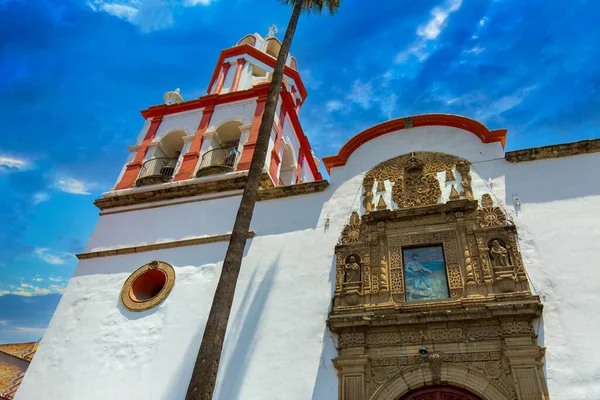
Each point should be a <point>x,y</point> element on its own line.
<point>457,375</point>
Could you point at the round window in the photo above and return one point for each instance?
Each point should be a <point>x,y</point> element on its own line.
<point>148,286</point>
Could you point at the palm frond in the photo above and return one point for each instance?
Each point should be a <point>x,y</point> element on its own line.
<point>316,6</point>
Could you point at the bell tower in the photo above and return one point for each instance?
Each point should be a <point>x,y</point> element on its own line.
<point>213,137</point>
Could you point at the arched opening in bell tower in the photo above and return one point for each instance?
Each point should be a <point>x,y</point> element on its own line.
<point>161,166</point>
<point>288,165</point>
<point>272,47</point>
<point>223,151</point>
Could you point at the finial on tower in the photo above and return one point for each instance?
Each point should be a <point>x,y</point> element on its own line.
<point>272,31</point>
<point>173,97</point>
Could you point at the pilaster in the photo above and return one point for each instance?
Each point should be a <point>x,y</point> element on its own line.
<point>132,169</point>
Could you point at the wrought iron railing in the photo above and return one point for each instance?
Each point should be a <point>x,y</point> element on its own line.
<point>157,170</point>
<point>221,157</point>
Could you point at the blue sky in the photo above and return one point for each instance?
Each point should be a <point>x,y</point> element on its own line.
<point>76,73</point>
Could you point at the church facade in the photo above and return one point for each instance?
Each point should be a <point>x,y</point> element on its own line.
<point>431,265</point>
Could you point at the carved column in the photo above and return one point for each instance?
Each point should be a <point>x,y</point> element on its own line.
<point>351,373</point>
<point>524,358</point>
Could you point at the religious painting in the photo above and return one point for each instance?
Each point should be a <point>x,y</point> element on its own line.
<point>425,273</point>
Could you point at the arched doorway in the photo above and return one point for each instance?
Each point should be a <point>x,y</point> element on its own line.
<point>439,393</point>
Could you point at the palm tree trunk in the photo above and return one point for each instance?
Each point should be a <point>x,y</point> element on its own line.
<point>204,376</point>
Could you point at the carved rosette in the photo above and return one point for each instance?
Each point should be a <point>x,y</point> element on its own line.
<point>351,232</point>
<point>489,215</point>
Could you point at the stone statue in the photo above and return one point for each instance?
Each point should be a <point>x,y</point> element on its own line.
<point>368,201</point>
<point>272,31</point>
<point>383,275</point>
<point>465,174</point>
<point>352,271</point>
<point>499,255</point>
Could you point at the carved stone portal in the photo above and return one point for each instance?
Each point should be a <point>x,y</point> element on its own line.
<point>475,338</point>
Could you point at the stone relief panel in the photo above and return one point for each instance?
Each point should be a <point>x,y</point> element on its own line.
<point>391,329</point>
<point>414,180</point>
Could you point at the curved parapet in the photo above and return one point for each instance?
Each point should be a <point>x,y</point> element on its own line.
<point>455,121</point>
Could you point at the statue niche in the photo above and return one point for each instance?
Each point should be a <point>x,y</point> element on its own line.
<point>352,275</point>
<point>502,265</point>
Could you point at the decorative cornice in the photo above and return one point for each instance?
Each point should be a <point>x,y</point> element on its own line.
<point>493,306</point>
<point>455,121</point>
<point>554,151</point>
<point>158,246</point>
<point>208,101</point>
<point>206,187</point>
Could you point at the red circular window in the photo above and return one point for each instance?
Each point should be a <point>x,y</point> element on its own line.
<point>148,285</point>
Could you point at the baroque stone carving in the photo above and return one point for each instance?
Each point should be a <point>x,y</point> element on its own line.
<point>383,275</point>
<point>450,175</point>
<point>454,195</point>
<point>381,203</point>
<point>464,168</point>
<point>413,177</point>
<point>368,201</point>
<point>489,215</point>
<point>352,231</point>
<point>352,271</point>
<point>498,254</point>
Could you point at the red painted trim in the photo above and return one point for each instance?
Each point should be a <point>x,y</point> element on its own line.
<point>304,144</point>
<point>190,159</point>
<point>455,121</point>
<point>211,99</point>
<point>299,168</point>
<point>275,160</point>
<point>238,73</point>
<point>222,77</point>
<point>132,169</point>
<point>248,151</point>
<point>260,56</point>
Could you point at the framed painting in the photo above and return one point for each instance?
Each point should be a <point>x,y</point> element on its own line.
<point>425,273</point>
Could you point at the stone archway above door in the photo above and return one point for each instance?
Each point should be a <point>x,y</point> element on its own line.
<point>440,393</point>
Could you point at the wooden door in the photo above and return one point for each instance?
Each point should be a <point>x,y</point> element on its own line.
<point>440,393</point>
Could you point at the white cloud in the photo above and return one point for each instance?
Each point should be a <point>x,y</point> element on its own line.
<point>191,3</point>
<point>74,186</point>
<point>28,290</point>
<point>12,164</point>
<point>433,27</point>
<point>361,94</point>
<point>475,50</point>
<point>37,279</point>
<point>483,21</point>
<point>53,258</point>
<point>55,279</point>
<point>40,197</point>
<point>333,105</point>
<point>148,15</point>
<point>428,32</point>
<point>122,11</point>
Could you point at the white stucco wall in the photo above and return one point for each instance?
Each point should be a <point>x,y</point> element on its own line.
<point>277,345</point>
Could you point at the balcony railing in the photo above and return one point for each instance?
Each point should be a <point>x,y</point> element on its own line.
<point>218,161</point>
<point>157,170</point>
